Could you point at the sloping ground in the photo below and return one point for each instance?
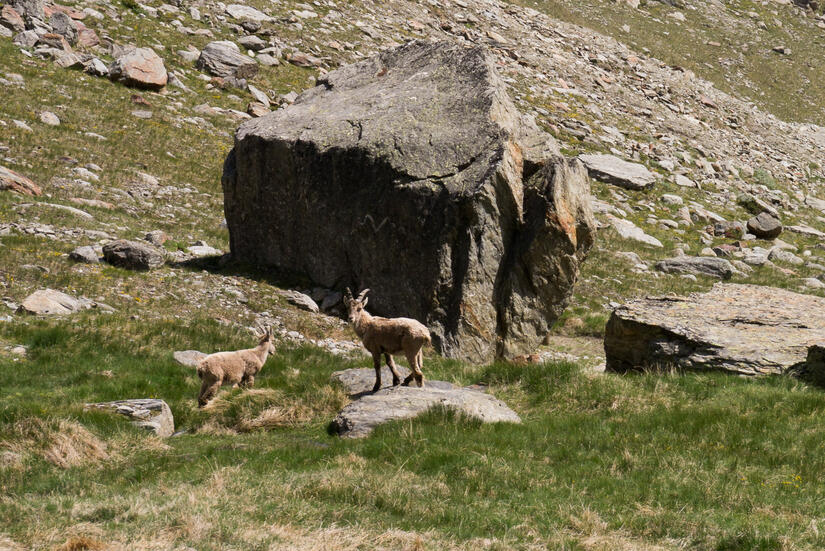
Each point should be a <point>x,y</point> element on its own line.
<point>647,462</point>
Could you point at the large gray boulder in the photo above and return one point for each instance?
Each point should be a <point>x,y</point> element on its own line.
<point>360,417</point>
<point>742,329</point>
<point>224,59</point>
<point>412,173</point>
<point>147,413</point>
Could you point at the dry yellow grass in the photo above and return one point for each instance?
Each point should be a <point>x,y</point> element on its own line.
<point>63,443</point>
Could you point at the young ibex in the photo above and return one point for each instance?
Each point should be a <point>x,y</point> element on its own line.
<point>388,336</point>
<point>234,368</point>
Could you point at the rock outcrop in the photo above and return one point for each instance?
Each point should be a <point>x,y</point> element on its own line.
<point>150,414</point>
<point>359,418</point>
<point>417,149</point>
<point>742,329</point>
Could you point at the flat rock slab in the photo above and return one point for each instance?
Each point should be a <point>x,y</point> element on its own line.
<point>701,265</point>
<point>628,230</point>
<point>742,329</point>
<point>616,171</point>
<point>360,417</point>
<point>12,181</point>
<point>149,413</point>
<point>189,358</point>
<point>48,302</point>
<point>361,380</point>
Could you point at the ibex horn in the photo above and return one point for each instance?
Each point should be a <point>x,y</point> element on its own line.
<point>363,294</point>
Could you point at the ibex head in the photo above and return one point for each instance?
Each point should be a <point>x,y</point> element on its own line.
<point>264,335</point>
<point>355,305</point>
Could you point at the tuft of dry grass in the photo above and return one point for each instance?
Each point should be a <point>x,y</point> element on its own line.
<point>63,443</point>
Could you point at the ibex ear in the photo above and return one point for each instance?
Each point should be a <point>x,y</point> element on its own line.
<point>364,302</point>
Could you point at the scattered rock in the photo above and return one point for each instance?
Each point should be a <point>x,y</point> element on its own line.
<point>742,329</point>
<point>47,117</point>
<point>140,68</point>
<point>48,302</point>
<point>156,237</point>
<point>148,413</point>
<point>703,265</point>
<point>224,59</point>
<point>302,301</point>
<point>133,255</point>
<point>12,181</point>
<point>200,248</point>
<point>613,170</point>
<point>628,230</point>
<point>508,277</point>
<point>765,226</point>
<point>85,254</point>
<point>10,19</point>
<point>257,109</point>
<point>785,256</point>
<point>239,11</point>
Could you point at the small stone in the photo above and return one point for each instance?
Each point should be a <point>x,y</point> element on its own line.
<point>156,237</point>
<point>47,117</point>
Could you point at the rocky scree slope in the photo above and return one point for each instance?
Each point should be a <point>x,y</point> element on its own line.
<point>716,161</point>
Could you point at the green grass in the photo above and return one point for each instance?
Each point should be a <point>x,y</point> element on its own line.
<point>679,461</point>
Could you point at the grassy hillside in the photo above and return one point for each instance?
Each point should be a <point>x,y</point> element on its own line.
<point>730,44</point>
<point>600,461</point>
